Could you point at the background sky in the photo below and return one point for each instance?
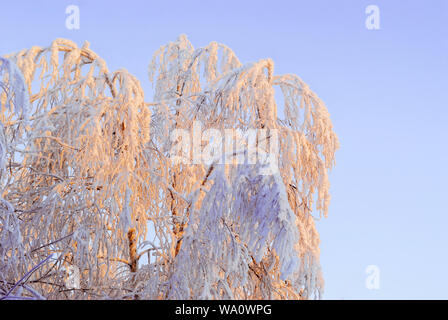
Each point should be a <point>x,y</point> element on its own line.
<point>386,91</point>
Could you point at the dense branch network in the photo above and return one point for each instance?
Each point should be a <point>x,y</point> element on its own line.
<point>88,178</point>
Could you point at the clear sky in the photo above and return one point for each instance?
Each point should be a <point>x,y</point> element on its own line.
<point>386,91</point>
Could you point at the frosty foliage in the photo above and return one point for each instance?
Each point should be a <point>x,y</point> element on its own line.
<point>87,176</point>
<point>81,166</point>
<point>15,105</point>
<point>243,234</point>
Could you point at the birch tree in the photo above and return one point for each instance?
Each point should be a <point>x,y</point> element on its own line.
<point>90,180</point>
<point>80,167</point>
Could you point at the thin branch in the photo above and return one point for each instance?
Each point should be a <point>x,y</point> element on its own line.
<point>29,273</point>
<point>53,242</point>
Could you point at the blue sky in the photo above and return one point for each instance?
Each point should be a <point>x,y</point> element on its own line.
<point>386,91</point>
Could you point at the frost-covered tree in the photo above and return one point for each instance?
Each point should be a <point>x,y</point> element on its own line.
<point>240,234</point>
<point>89,177</point>
<point>81,166</point>
<point>15,103</point>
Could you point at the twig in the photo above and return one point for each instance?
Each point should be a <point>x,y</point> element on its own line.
<point>29,273</point>
<point>53,242</point>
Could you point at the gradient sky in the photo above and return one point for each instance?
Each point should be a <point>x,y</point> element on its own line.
<point>386,91</point>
